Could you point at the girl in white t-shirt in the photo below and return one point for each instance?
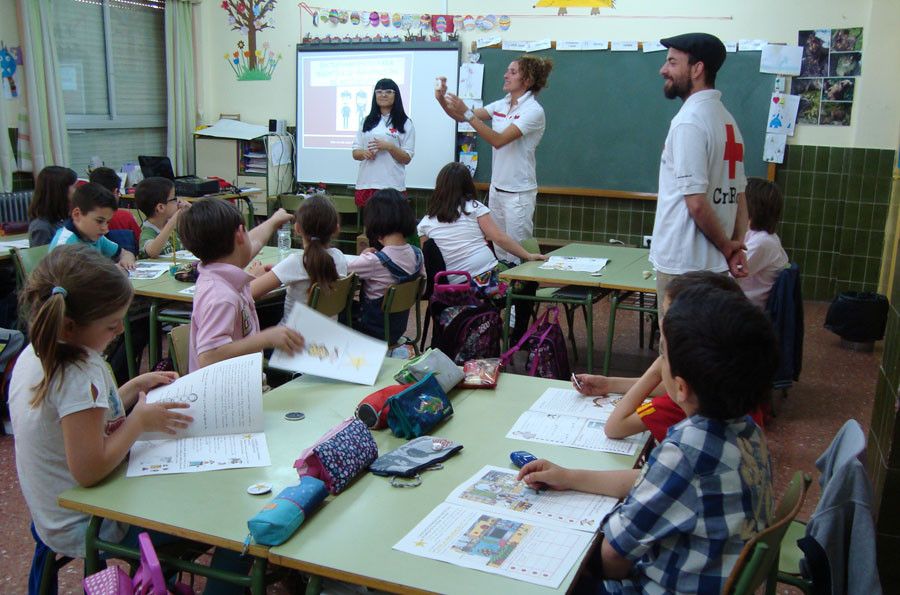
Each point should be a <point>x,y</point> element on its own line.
<point>317,222</point>
<point>766,257</point>
<point>68,416</point>
<point>384,144</point>
<point>461,226</point>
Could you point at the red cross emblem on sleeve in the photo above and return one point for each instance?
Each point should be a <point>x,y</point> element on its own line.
<point>734,152</point>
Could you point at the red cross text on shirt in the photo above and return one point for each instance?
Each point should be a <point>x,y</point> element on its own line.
<point>734,152</point>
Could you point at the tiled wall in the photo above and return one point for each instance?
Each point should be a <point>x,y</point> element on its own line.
<point>836,205</point>
<point>884,440</point>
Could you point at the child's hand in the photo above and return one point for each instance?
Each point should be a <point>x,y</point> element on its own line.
<point>126,260</point>
<point>544,474</point>
<point>532,257</point>
<point>283,338</point>
<point>160,417</point>
<point>183,204</point>
<point>592,385</point>
<point>280,217</point>
<point>258,269</point>
<point>151,380</point>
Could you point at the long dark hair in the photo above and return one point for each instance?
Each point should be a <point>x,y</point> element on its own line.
<point>398,115</point>
<point>318,220</point>
<point>453,188</point>
<point>50,200</point>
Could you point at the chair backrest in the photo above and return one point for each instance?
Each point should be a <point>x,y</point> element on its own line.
<point>785,307</point>
<point>434,264</point>
<point>336,300</point>
<point>758,561</point>
<point>290,202</point>
<point>27,259</point>
<point>400,297</point>
<point>179,340</point>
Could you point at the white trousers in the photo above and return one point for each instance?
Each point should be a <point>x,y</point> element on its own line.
<point>514,213</point>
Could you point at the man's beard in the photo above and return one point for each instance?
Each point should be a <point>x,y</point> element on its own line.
<point>680,89</point>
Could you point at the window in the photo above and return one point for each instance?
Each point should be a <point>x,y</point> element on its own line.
<point>112,63</point>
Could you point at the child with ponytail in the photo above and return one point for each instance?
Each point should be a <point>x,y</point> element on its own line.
<point>317,222</point>
<point>68,416</point>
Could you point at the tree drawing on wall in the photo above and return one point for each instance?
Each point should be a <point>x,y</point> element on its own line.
<point>249,17</point>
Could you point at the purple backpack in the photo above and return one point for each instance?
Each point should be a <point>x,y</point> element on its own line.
<point>473,333</point>
<point>546,346</point>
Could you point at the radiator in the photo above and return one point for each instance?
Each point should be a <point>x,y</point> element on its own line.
<point>14,206</point>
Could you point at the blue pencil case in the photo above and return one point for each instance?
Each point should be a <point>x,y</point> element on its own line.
<point>280,518</point>
<point>419,408</point>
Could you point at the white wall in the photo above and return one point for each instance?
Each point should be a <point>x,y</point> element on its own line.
<point>876,113</point>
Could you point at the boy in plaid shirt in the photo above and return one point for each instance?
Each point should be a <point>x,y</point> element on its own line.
<point>706,489</point>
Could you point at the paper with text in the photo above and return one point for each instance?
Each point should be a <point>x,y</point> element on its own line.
<point>331,350</point>
<point>575,263</point>
<point>570,402</point>
<point>10,244</point>
<point>225,400</point>
<point>149,270</point>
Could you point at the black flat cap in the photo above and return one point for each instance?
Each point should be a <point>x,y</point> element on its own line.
<point>706,48</point>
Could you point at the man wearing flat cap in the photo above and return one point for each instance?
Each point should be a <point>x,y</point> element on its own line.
<point>701,215</point>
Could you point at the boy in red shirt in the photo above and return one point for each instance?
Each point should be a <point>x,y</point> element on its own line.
<point>632,414</point>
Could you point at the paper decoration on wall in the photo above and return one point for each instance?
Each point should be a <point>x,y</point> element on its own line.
<point>782,114</point>
<point>250,63</point>
<point>832,58</point>
<point>8,67</point>
<point>563,5</point>
<point>773,150</point>
<point>471,77</point>
<point>438,24</point>
<point>781,59</point>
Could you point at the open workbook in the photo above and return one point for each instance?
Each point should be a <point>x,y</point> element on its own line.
<point>496,524</point>
<point>227,432</point>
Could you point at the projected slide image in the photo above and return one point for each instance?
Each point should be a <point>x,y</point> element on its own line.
<point>337,95</point>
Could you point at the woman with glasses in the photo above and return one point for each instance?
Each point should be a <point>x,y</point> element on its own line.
<point>515,129</point>
<point>384,144</point>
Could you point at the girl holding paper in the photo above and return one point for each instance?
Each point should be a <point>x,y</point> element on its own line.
<point>517,125</point>
<point>384,144</point>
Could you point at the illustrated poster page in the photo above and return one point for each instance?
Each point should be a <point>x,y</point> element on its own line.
<point>223,398</point>
<point>471,77</point>
<point>331,350</point>
<point>783,114</point>
<point>148,270</point>
<point>570,402</point>
<point>568,430</point>
<point>202,453</point>
<point>496,543</point>
<point>496,490</point>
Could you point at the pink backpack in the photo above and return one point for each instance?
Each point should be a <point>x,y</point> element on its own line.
<point>148,578</point>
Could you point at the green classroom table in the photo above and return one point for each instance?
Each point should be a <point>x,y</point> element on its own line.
<point>620,257</point>
<point>351,537</point>
<point>624,283</point>
<point>6,252</point>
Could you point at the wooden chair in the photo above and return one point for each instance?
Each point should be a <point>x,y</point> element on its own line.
<point>26,260</point>
<point>401,297</point>
<point>336,300</point>
<point>758,562</point>
<point>179,340</point>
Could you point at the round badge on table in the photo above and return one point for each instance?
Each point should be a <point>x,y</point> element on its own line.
<point>294,416</point>
<point>258,489</point>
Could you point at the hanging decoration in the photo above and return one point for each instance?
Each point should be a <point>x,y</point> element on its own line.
<point>562,5</point>
<point>415,27</point>
<point>250,63</point>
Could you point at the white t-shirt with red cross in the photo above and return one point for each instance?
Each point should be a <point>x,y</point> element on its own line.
<point>384,171</point>
<point>703,154</point>
<point>513,165</point>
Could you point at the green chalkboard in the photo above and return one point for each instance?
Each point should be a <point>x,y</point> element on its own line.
<point>607,117</point>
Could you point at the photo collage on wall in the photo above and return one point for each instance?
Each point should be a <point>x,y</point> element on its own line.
<point>832,61</point>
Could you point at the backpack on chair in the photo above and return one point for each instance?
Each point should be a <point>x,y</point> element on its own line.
<point>465,326</point>
<point>545,344</point>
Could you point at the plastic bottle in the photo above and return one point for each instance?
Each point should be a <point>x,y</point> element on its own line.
<point>284,240</point>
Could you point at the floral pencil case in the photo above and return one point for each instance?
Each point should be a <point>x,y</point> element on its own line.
<point>344,452</point>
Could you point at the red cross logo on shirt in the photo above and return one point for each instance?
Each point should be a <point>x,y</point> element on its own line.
<point>734,152</point>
